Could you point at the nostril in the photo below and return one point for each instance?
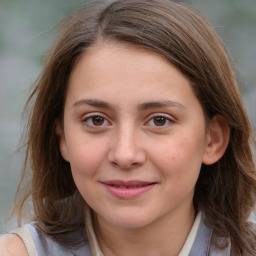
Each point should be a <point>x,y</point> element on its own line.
<point>125,165</point>
<point>126,153</point>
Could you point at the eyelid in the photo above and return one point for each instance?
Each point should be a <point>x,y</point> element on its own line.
<point>168,117</point>
<point>87,116</point>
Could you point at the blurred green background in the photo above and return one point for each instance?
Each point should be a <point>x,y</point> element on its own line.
<point>27,29</point>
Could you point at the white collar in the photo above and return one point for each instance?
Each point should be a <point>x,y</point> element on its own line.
<point>191,236</point>
<point>96,251</point>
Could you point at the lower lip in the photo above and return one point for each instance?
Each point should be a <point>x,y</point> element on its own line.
<point>128,193</point>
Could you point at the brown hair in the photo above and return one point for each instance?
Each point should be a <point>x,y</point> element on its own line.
<point>225,191</point>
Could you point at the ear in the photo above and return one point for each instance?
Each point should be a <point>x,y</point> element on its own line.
<point>59,131</point>
<point>217,140</point>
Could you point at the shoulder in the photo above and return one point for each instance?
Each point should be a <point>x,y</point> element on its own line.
<point>12,245</point>
<point>31,240</point>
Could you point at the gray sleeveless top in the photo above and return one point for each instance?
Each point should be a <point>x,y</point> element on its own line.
<point>44,245</point>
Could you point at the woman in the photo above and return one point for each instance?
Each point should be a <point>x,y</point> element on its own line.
<point>138,141</point>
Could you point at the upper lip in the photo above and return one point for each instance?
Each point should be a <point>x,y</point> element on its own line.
<point>129,183</point>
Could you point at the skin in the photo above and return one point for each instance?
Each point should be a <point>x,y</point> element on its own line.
<point>112,131</point>
<point>12,245</point>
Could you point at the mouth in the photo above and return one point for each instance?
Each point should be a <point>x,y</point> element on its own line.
<point>128,189</point>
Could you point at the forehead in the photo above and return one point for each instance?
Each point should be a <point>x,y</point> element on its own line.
<point>111,70</point>
<point>114,59</point>
<point>105,52</point>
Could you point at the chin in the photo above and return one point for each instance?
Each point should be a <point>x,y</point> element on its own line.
<point>129,220</point>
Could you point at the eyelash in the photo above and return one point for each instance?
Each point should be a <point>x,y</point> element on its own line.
<point>167,121</point>
<point>151,121</point>
<point>88,121</point>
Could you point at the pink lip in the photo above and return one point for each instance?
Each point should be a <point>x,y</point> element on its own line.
<point>128,189</point>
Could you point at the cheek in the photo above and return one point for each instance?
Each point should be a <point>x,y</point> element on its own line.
<point>86,157</point>
<point>180,157</point>
<point>86,160</point>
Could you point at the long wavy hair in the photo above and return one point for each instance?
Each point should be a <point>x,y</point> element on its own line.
<point>225,191</point>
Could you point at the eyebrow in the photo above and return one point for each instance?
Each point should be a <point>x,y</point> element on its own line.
<point>160,104</point>
<point>93,102</point>
<point>141,107</point>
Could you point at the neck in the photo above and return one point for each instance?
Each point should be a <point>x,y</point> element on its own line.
<point>164,237</point>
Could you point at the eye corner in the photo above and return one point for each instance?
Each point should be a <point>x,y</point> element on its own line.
<point>95,121</point>
<point>160,121</point>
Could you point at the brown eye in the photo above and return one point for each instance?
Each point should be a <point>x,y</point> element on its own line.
<point>159,120</point>
<point>97,120</point>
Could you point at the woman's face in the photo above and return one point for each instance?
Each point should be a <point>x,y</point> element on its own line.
<point>135,135</point>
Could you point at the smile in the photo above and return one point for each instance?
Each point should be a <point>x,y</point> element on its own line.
<point>128,189</point>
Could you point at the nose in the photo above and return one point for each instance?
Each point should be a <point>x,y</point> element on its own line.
<point>126,151</point>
